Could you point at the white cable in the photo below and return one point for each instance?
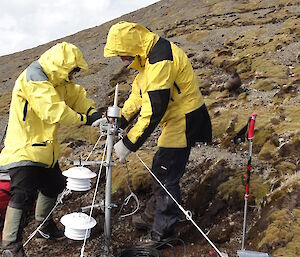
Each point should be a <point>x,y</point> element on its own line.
<point>126,201</point>
<point>94,198</point>
<point>187,214</point>
<point>58,201</point>
<point>93,148</point>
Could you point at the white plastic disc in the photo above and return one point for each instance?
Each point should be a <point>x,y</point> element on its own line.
<point>76,224</point>
<point>79,178</point>
<point>79,173</point>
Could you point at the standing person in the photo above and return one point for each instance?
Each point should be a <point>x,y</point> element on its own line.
<point>164,92</point>
<point>44,97</point>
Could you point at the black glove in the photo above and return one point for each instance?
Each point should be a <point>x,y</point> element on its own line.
<point>91,118</point>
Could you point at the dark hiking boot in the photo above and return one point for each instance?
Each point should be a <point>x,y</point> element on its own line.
<point>50,231</point>
<point>13,249</point>
<point>142,222</point>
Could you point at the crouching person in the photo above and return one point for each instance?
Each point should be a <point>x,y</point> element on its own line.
<point>44,96</point>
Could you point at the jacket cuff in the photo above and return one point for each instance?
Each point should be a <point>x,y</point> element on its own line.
<point>90,111</point>
<point>132,147</point>
<point>123,122</point>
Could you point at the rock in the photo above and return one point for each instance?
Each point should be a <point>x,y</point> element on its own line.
<point>234,82</point>
<point>275,138</point>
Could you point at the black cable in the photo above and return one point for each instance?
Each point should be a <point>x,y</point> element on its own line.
<point>161,245</point>
<point>140,251</point>
<point>151,250</point>
<point>147,250</point>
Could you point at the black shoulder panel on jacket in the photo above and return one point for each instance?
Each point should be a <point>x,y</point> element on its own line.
<point>161,51</point>
<point>35,72</point>
<point>159,103</point>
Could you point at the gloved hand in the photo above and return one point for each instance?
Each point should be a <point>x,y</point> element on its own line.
<point>90,119</point>
<point>101,121</point>
<point>121,150</point>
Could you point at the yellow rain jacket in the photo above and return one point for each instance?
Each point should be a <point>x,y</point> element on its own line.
<point>43,98</point>
<point>165,90</point>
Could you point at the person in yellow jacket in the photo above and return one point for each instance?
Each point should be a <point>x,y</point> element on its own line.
<point>44,97</point>
<point>164,92</point>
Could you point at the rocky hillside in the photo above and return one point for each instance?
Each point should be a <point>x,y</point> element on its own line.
<point>246,55</point>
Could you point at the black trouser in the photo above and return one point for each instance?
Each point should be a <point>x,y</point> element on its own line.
<point>27,181</point>
<point>168,166</point>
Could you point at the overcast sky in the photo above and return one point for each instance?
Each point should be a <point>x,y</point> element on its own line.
<point>28,23</point>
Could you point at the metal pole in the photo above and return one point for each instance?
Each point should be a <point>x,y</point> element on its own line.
<point>244,225</point>
<point>107,204</point>
<point>113,114</point>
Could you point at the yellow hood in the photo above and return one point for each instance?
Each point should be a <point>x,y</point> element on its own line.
<point>59,60</point>
<point>129,39</point>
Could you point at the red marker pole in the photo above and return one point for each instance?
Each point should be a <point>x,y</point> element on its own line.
<point>250,138</point>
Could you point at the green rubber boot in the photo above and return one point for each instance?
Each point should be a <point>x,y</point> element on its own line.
<point>12,233</point>
<point>49,230</point>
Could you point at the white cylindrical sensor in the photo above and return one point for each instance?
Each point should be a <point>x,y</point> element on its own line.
<point>79,178</point>
<point>78,225</point>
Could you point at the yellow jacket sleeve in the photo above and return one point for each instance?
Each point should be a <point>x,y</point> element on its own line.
<point>155,99</point>
<point>132,105</point>
<point>47,104</point>
<point>76,99</point>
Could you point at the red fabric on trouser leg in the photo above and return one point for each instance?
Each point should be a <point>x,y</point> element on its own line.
<point>4,200</point>
<point>4,195</point>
